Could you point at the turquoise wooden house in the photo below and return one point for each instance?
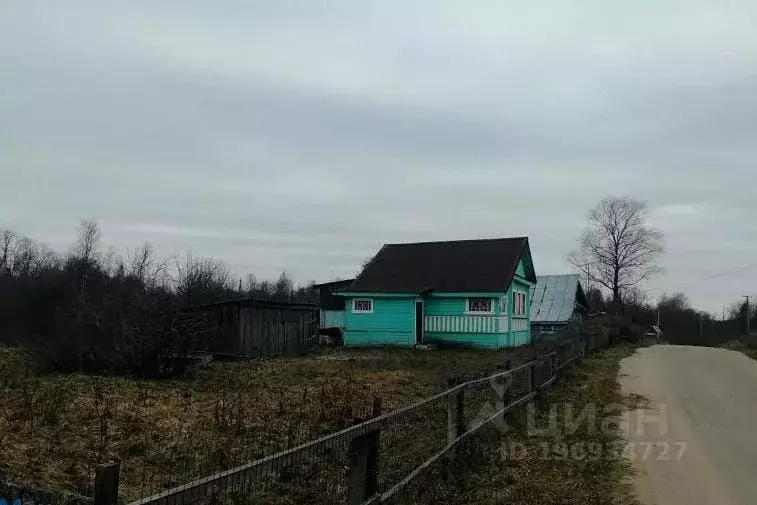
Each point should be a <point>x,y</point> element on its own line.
<point>472,292</point>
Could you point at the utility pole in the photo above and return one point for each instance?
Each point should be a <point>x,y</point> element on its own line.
<point>746,314</point>
<point>701,327</point>
<point>588,277</point>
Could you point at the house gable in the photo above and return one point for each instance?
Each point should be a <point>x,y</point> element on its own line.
<point>521,270</point>
<point>525,269</point>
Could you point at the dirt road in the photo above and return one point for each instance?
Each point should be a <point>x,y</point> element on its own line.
<point>699,429</point>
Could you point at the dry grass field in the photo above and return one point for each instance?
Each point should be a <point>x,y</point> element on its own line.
<point>55,428</point>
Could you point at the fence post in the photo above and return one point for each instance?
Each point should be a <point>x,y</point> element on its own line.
<point>505,396</point>
<point>555,365</point>
<point>373,452</point>
<point>460,412</point>
<point>532,377</point>
<point>451,418</point>
<point>106,483</point>
<point>364,456</point>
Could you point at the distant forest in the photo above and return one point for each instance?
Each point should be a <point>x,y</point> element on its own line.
<point>94,311</point>
<point>680,322</point>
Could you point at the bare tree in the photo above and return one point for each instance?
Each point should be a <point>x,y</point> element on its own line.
<point>678,302</point>
<point>144,265</point>
<point>617,249</point>
<point>201,280</point>
<point>85,251</point>
<point>251,284</point>
<point>7,241</point>
<point>634,296</point>
<point>88,240</point>
<point>112,263</point>
<point>283,287</point>
<point>26,257</point>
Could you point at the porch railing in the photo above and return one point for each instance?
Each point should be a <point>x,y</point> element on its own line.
<point>466,324</point>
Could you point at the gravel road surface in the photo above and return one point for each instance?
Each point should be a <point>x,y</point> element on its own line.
<point>695,442</point>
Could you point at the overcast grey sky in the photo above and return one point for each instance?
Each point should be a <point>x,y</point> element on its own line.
<point>303,135</point>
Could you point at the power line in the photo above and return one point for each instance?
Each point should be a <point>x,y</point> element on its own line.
<point>729,272</point>
<point>747,315</point>
<point>718,275</point>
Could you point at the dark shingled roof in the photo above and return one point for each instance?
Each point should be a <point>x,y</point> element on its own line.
<point>486,265</point>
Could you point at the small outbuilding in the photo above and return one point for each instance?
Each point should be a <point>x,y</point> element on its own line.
<point>249,328</point>
<point>556,301</point>
<point>332,305</point>
<point>472,293</point>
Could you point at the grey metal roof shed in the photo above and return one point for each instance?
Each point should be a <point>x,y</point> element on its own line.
<point>555,298</point>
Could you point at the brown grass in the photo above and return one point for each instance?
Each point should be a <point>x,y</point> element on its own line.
<point>540,473</point>
<point>746,346</point>
<point>54,429</point>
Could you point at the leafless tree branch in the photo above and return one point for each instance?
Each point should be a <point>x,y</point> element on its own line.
<point>617,249</point>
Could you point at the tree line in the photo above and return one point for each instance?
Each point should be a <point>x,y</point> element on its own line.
<point>107,312</point>
<point>681,323</point>
<point>617,251</point>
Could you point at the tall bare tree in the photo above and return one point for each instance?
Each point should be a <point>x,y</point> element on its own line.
<point>86,245</point>
<point>7,240</point>
<point>618,249</point>
<point>201,280</point>
<point>143,265</point>
<point>84,253</point>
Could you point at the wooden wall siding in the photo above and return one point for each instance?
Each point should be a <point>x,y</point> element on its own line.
<point>520,324</point>
<point>252,331</point>
<point>520,327</point>
<point>332,318</point>
<point>391,323</point>
<point>276,332</point>
<point>465,324</point>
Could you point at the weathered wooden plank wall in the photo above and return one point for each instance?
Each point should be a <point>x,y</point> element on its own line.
<point>247,329</point>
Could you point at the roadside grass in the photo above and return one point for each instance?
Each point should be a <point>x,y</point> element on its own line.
<point>746,345</point>
<point>581,466</point>
<point>55,428</point>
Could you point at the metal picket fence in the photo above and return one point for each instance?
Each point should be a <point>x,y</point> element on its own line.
<point>374,460</point>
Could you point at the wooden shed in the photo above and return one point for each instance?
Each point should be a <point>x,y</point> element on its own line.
<point>556,302</point>
<point>253,328</point>
<point>332,305</point>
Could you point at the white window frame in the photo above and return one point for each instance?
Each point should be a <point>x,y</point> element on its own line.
<point>504,302</point>
<point>470,312</point>
<point>515,304</point>
<point>355,310</point>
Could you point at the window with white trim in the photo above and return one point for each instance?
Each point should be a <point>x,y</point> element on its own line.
<point>479,306</point>
<point>503,305</point>
<point>362,305</point>
<point>519,303</point>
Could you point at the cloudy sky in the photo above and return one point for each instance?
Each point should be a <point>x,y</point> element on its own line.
<point>301,135</point>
